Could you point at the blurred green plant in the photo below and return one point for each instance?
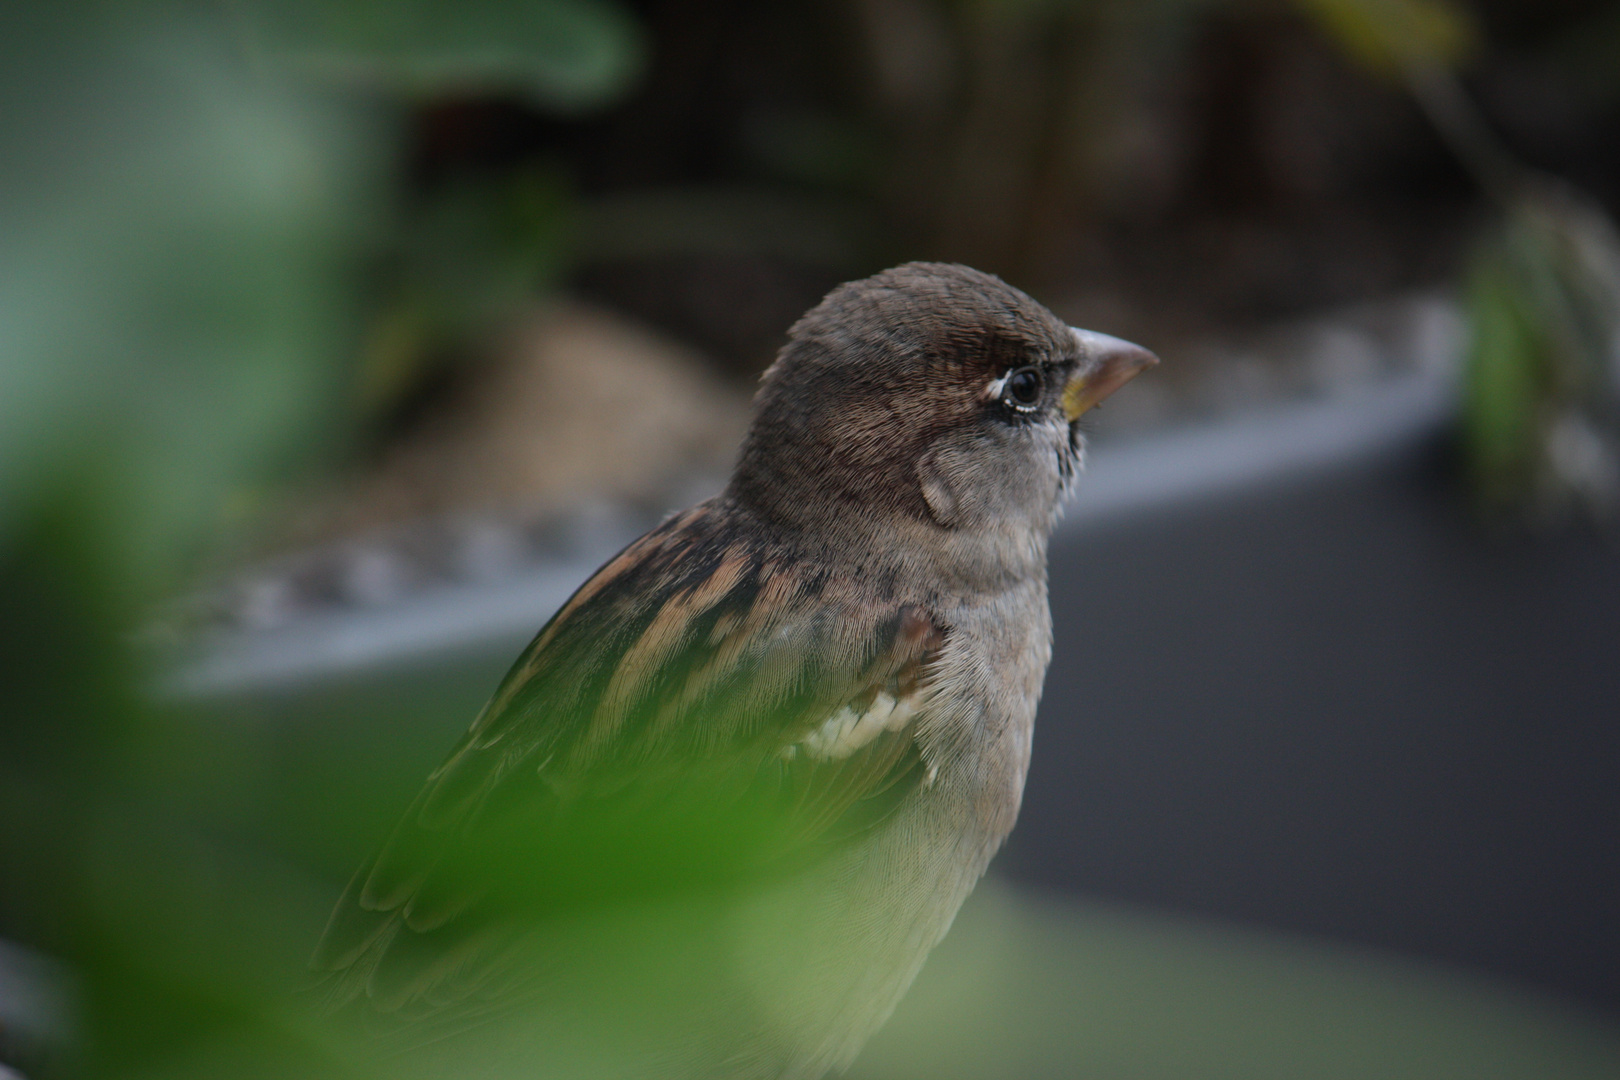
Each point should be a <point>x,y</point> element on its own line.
<point>565,56</point>
<point>185,230</point>
<point>178,244</point>
<point>1541,406</point>
<point>117,206</point>
<point>185,223</point>
<point>468,252</point>
<point>1541,401</point>
<point>175,238</point>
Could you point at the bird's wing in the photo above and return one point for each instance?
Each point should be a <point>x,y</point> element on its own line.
<point>701,711</point>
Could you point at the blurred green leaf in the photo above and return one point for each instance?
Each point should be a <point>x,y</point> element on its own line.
<point>1388,35</point>
<point>1500,389</point>
<point>1542,391</point>
<point>178,246</point>
<point>565,55</point>
<point>172,318</point>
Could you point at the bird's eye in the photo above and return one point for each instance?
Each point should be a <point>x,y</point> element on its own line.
<point>1023,388</point>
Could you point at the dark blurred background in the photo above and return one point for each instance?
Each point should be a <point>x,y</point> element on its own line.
<point>339,340</point>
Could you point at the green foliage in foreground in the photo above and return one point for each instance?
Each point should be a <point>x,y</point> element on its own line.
<point>179,251</point>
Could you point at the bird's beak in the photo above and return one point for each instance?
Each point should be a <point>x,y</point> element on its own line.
<point>1106,364</point>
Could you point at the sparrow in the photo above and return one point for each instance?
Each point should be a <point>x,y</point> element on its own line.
<point>725,803</point>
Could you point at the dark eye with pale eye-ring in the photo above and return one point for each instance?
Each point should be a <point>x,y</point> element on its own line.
<point>1022,389</point>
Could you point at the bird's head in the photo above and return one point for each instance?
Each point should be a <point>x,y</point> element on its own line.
<point>930,393</point>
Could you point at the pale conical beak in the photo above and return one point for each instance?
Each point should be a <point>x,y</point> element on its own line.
<point>1106,364</point>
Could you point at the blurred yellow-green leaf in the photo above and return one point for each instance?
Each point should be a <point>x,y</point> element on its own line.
<point>1388,35</point>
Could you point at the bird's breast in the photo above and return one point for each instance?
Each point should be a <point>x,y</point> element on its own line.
<point>868,920</point>
<point>978,729</point>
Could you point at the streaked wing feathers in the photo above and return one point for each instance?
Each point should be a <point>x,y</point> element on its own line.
<point>702,709</point>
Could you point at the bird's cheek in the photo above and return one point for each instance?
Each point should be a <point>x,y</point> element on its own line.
<point>937,490</point>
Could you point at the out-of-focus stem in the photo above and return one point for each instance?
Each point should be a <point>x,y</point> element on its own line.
<point>1440,94</point>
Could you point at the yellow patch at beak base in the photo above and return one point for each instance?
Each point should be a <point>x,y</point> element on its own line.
<point>1107,363</point>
